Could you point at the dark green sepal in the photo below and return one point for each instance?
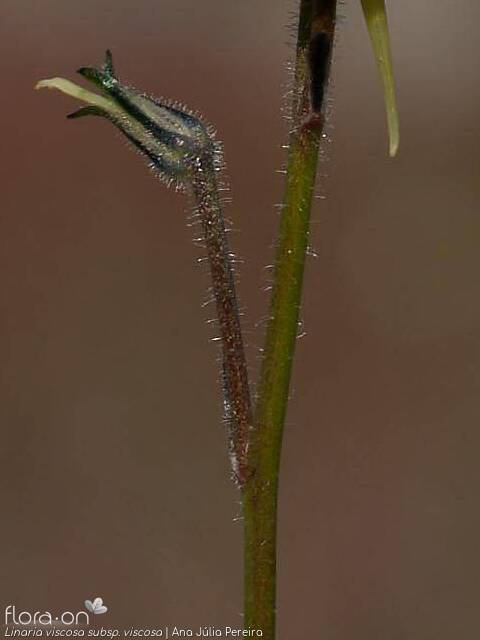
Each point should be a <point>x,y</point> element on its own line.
<point>93,75</point>
<point>88,111</point>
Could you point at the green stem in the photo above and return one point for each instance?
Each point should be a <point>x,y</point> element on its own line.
<point>315,35</point>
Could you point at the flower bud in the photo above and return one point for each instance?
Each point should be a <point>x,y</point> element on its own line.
<point>173,139</point>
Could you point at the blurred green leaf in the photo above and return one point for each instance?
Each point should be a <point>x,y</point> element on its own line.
<point>376,19</point>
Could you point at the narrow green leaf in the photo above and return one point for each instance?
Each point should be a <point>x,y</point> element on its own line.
<point>376,19</point>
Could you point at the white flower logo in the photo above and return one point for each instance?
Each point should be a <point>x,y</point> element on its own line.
<point>96,606</point>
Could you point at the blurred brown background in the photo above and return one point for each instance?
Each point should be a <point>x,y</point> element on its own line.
<point>114,477</point>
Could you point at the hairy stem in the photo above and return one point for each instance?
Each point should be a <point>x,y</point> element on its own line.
<point>313,54</point>
<point>238,411</point>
